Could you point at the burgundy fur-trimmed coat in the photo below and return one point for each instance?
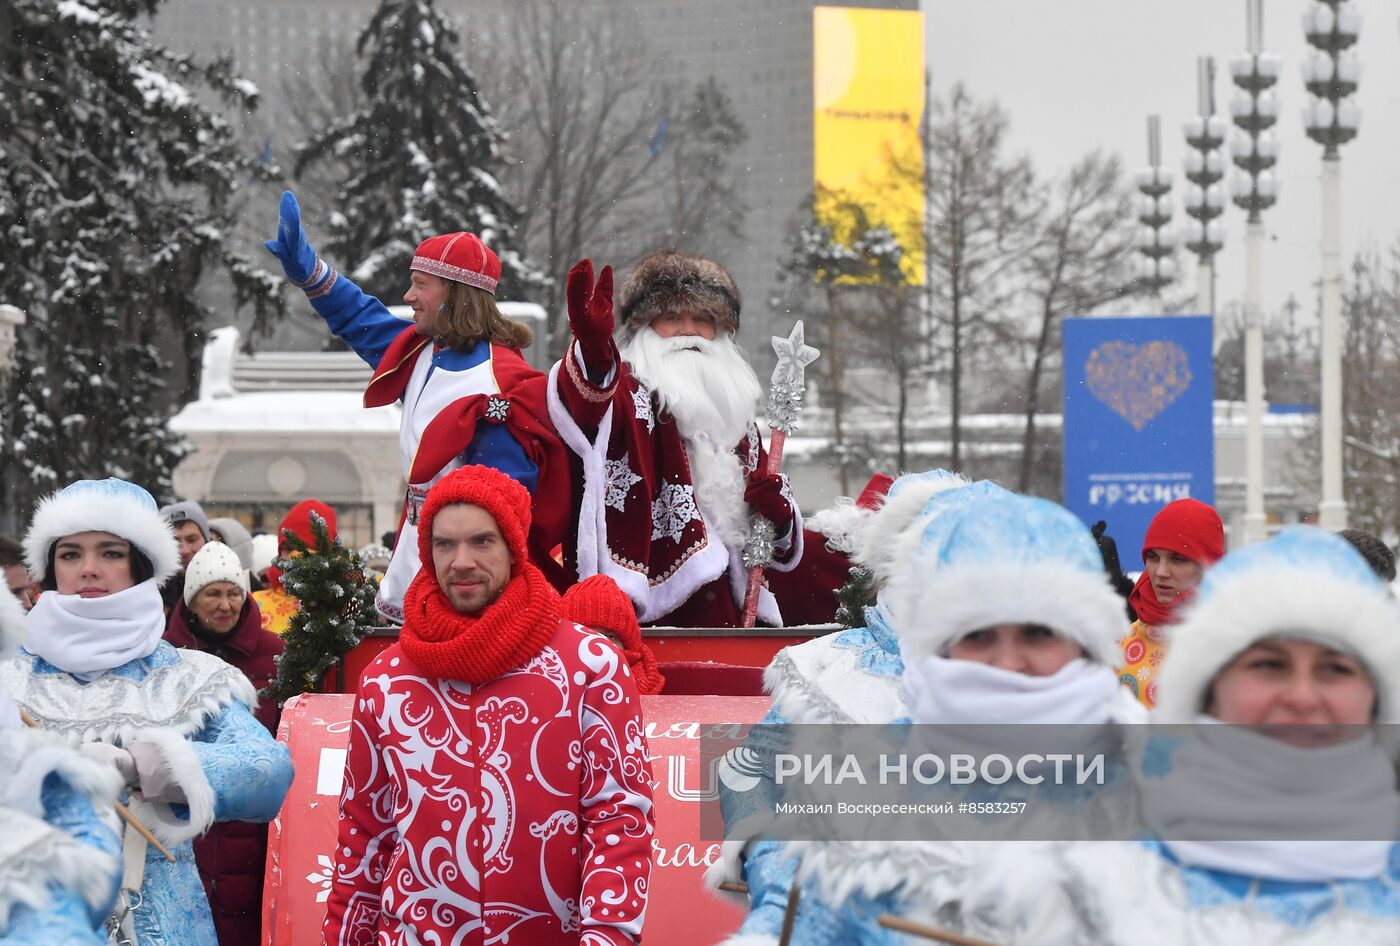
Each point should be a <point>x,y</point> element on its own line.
<point>638,520</point>
<point>231,857</point>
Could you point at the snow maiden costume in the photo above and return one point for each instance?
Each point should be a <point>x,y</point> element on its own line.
<point>1304,584</point>
<point>481,405</point>
<point>59,844</point>
<point>176,724</point>
<point>975,558</point>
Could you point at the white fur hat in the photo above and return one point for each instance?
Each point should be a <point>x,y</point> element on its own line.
<point>904,503</point>
<point>1005,559</point>
<point>1304,583</point>
<point>264,553</point>
<point>111,505</point>
<point>213,562</point>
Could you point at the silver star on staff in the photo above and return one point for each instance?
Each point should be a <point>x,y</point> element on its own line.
<point>794,355</point>
<point>789,379</point>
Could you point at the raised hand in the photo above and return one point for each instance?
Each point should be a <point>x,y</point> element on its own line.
<point>591,312</point>
<point>291,249</point>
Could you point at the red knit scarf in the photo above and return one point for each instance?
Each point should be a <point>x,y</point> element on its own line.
<point>478,649</point>
<point>1145,603</point>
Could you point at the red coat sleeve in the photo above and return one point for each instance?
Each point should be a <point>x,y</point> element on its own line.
<point>586,401</point>
<point>367,834</point>
<point>616,818</point>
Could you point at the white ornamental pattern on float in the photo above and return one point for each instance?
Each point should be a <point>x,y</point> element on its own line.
<point>672,511</point>
<point>537,742</point>
<point>619,480</point>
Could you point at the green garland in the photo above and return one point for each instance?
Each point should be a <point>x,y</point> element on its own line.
<point>329,581</point>
<point>852,598</point>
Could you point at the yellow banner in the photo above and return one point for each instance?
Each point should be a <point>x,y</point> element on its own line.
<point>868,85</point>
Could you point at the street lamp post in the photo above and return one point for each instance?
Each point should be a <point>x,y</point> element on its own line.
<point>1255,110</point>
<point>1157,263</point>
<point>1331,119</point>
<point>1204,200</point>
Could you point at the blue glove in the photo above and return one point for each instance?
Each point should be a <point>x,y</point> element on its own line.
<point>291,249</point>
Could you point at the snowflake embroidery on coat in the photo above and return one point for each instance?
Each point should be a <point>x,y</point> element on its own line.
<point>672,511</point>
<point>322,878</point>
<point>641,402</point>
<point>751,451</point>
<point>619,482</point>
<point>496,409</point>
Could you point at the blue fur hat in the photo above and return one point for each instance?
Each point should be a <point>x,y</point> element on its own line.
<point>904,504</point>
<point>111,505</point>
<point>1304,583</point>
<point>994,557</point>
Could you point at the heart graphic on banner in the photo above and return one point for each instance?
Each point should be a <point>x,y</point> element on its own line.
<point>1138,382</point>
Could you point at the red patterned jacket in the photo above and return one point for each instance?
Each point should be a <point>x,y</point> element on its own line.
<point>519,811</point>
<point>638,521</point>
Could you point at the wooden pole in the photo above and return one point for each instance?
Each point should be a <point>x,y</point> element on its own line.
<point>122,810</point>
<point>891,922</point>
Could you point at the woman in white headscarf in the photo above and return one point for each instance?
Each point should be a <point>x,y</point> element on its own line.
<point>175,725</point>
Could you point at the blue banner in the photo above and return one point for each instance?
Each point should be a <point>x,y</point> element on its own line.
<point>1138,421</point>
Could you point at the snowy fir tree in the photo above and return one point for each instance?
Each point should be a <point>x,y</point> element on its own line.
<point>116,182</point>
<point>327,579</point>
<point>424,154</point>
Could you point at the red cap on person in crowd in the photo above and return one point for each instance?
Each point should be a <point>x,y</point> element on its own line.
<point>459,257</point>
<point>1190,528</point>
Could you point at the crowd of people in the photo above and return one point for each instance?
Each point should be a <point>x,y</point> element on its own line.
<point>497,782</point>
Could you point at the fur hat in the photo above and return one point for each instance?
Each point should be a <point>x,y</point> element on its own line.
<point>505,499</point>
<point>214,562</point>
<point>670,281</point>
<point>459,257</point>
<point>1005,559</point>
<point>236,537</point>
<point>187,511</point>
<point>111,505</point>
<point>843,522</point>
<point>1304,583</point>
<point>903,503</point>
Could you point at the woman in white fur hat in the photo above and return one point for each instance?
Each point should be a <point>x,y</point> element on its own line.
<point>1000,612</point>
<point>1279,828</point>
<point>175,724</point>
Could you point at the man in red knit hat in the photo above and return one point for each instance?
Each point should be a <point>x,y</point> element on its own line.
<point>670,465</point>
<point>277,605</point>
<point>497,782</point>
<point>1182,540</point>
<point>467,394</point>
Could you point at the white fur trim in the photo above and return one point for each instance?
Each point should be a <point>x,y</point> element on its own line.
<point>29,756</point>
<point>842,524</point>
<point>932,608</point>
<point>70,513</point>
<point>182,766</point>
<point>875,543</point>
<point>750,939</point>
<point>728,868</point>
<point>1285,601</point>
<point>653,601</point>
<point>36,858</point>
<point>12,624</point>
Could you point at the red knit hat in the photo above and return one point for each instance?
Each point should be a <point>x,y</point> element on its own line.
<point>506,500</point>
<point>598,602</point>
<point>298,521</point>
<point>1189,528</point>
<point>460,257</point>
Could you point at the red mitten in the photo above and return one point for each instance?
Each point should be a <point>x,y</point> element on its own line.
<point>771,497</point>
<point>598,602</point>
<point>591,313</point>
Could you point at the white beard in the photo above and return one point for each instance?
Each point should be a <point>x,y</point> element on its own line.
<point>712,394</point>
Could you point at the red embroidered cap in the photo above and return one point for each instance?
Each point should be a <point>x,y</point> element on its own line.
<point>460,257</point>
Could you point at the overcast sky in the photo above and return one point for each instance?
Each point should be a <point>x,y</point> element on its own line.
<point>1078,74</point>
